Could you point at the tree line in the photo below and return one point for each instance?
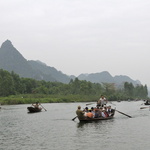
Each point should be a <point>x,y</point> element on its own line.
<point>13,84</point>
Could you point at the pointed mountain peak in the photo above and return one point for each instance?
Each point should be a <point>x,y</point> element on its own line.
<point>7,44</point>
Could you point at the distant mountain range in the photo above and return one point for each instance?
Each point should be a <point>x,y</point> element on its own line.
<point>12,60</point>
<point>106,77</point>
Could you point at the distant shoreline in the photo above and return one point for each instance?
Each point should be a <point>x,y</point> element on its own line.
<point>29,99</point>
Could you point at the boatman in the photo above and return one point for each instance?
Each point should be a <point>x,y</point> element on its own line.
<point>79,112</point>
<point>102,101</point>
<point>36,105</point>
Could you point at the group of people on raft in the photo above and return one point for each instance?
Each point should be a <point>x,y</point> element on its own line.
<point>101,110</point>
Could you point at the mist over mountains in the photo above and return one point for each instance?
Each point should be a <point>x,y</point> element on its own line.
<point>12,60</point>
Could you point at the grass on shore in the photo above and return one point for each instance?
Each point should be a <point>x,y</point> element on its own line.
<point>32,98</point>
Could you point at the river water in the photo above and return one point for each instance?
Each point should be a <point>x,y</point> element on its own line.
<point>54,129</point>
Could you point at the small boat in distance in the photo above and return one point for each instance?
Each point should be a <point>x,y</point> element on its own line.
<point>33,109</point>
<point>147,102</point>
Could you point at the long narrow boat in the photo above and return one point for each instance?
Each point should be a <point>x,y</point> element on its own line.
<point>86,119</point>
<point>33,110</point>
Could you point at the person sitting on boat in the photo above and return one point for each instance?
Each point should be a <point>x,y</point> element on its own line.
<point>104,113</point>
<point>86,110</point>
<point>93,111</point>
<point>97,112</point>
<point>100,111</point>
<point>36,105</point>
<point>80,113</point>
<point>103,101</point>
<point>110,111</point>
<point>89,114</point>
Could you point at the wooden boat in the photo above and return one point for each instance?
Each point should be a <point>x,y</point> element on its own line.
<point>33,110</point>
<point>94,119</point>
<point>147,103</point>
<point>86,119</point>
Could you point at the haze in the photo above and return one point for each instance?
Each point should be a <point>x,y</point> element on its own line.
<point>81,36</point>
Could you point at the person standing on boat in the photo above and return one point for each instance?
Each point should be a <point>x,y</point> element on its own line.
<point>80,113</point>
<point>103,101</point>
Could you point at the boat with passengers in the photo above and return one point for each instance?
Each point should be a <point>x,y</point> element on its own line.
<point>33,109</point>
<point>95,114</point>
<point>86,119</point>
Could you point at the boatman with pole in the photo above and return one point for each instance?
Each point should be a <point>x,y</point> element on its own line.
<point>102,101</point>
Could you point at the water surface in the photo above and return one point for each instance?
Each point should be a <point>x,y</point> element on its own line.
<point>54,129</point>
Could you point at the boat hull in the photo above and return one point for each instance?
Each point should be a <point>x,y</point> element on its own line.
<point>94,119</point>
<point>33,110</point>
<point>146,103</point>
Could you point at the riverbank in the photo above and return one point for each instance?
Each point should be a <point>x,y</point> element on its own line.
<point>32,98</point>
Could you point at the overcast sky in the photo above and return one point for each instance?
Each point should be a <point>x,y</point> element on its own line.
<point>81,36</point>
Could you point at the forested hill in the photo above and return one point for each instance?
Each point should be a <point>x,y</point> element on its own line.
<point>12,84</point>
<point>12,60</point>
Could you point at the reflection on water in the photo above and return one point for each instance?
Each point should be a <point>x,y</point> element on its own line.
<point>54,129</point>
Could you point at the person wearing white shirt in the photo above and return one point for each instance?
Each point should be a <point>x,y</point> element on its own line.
<point>103,100</point>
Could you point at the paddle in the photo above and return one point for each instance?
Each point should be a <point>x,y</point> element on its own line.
<point>111,103</point>
<point>144,107</point>
<point>123,113</point>
<point>74,118</point>
<point>43,108</point>
<point>90,103</point>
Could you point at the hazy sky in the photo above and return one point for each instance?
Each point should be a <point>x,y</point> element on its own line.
<point>81,36</point>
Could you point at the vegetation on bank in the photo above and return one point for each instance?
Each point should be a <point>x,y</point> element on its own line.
<point>42,98</point>
<point>16,90</point>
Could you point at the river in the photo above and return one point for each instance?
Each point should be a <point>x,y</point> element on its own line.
<point>54,129</point>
